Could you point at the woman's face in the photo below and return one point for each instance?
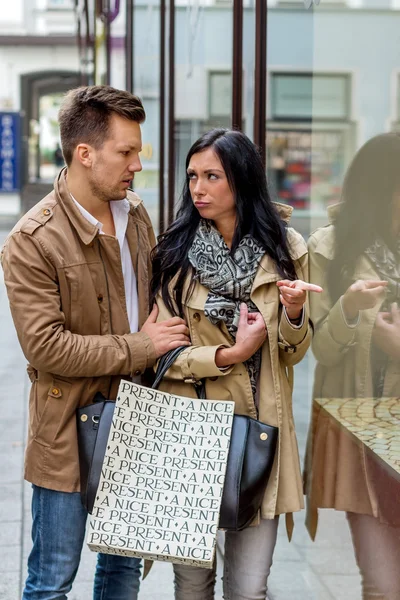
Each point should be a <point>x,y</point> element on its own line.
<point>210,189</point>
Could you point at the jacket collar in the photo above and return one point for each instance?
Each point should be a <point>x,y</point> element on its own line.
<point>333,212</point>
<point>326,246</point>
<point>267,272</point>
<point>326,242</point>
<point>284,211</point>
<point>86,230</point>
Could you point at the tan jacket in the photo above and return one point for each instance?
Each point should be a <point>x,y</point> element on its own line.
<point>284,347</point>
<point>66,292</point>
<point>338,472</point>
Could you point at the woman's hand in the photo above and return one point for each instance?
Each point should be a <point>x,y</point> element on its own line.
<point>251,333</point>
<point>361,295</point>
<point>293,295</point>
<point>386,332</point>
<point>250,336</point>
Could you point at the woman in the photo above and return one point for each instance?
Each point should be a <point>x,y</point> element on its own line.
<point>231,267</point>
<point>357,345</point>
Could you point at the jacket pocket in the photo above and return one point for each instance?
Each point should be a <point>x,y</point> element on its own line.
<point>51,419</point>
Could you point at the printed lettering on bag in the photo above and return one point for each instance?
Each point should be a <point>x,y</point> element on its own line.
<point>162,479</point>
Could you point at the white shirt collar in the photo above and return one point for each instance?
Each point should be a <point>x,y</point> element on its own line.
<point>120,210</point>
<point>87,215</point>
<point>118,207</point>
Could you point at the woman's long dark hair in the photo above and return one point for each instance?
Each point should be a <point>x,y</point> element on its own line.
<point>370,186</point>
<point>255,215</point>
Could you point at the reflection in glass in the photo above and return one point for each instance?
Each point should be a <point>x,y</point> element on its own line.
<point>354,445</point>
<point>203,91</point>
<point>45,159</point>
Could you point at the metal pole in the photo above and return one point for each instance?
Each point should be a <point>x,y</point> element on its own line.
<point>161,138</point>
<point>260,78</point>
<point>108,43</point>
<point>171,113</point>
<point>129,46</point>
<point>237,64</point>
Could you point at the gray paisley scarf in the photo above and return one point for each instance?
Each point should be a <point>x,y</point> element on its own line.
<point>229,279</point>
<point>387,264</point>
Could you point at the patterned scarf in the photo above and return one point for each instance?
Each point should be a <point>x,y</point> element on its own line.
<point>386,263</point>
<point>229,279</point>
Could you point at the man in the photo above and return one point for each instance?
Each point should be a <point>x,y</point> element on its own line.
<point>77,269</point>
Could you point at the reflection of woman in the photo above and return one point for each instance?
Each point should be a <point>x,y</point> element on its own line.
<point>357,345</point>
<point>229,265</point>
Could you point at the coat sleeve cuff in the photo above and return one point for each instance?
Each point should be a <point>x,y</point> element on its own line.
<point>199,362</point>
<point>300,319</point>
<point>350,323</point>
<point>293,335</point>
<point>341,332</point>
<point>142,354</point>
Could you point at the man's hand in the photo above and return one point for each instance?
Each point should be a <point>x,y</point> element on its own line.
<point>361,295</point>
<point>293,295</point>
<point>166,335</point>
<point>386,332</point>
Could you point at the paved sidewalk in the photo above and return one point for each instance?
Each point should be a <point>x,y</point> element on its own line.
<point>302,570</point>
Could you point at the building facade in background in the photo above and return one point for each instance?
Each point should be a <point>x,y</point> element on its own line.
<point>39,61</point>
<point>310,84</point>
<point>331,81</point>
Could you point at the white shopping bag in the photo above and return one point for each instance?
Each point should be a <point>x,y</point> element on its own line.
<point>162,480</point>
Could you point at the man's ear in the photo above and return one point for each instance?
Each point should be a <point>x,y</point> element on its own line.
<point>84,154</point>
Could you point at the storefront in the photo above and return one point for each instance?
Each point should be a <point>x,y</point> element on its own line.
<point>310,138</point>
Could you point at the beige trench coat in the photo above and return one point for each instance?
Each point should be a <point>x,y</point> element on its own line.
<point>337,471</point>
<point>285,346</point>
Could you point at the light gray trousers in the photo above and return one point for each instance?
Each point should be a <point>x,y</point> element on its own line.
<point>247,564</point>
<point>377,550</point>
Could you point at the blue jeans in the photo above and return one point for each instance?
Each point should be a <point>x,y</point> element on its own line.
<point>58,533</point>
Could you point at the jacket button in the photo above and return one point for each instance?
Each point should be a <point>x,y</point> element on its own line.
<point>264,436</point>
<point>213,378</point>
<point>196,317</point>
<point>55,391</point>
<point>100,298</point>
<point>46,212</point>
<point>137,372</point>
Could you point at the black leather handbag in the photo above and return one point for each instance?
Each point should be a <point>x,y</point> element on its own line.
<point>251,455</point>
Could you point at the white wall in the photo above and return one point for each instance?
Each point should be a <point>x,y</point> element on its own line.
<point>37,17</point>
<point>19,60</point>
<point>13,14</point>
<point>11,19</point>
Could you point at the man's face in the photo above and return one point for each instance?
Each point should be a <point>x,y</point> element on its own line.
<point>116,162</point>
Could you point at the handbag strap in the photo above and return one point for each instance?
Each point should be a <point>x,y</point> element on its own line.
<point>166,362</point>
